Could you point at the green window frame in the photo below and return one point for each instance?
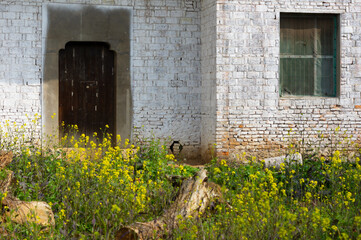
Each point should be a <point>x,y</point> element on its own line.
<point>308,55</point>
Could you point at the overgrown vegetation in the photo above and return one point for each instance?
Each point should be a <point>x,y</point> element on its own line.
<point>96,187</point>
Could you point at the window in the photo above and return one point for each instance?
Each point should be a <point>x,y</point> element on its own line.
<point>308,55</point>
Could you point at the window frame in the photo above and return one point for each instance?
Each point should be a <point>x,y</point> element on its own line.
<point>315,56</point>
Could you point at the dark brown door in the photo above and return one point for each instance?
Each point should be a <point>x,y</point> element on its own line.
<point>87,87</point>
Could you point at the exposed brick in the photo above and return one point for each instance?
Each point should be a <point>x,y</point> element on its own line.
<point>225,92</point>
<point>255,37</point>
<point>155,59</point>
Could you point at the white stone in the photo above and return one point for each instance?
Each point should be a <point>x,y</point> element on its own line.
<point>286,159</point>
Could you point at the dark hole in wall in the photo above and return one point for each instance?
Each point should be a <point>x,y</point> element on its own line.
<point>176,147</point>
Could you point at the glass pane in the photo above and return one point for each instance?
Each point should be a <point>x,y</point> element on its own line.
<point>324,83</point>
<point>297,76</point>
<point>297,34</point>
<point>325,31</point>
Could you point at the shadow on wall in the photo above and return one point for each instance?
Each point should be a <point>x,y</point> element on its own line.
<point>63,23</point>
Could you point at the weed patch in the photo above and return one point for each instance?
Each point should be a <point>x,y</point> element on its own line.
<point>95,187</point>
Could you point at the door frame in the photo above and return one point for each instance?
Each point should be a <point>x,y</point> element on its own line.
<point>79,22</point>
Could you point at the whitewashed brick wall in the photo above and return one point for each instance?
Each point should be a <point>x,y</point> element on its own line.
<point>20,60</point>
<point>250,114</point>
<point>231,99</point>
<point>166,67</point>
<point>165,62</point>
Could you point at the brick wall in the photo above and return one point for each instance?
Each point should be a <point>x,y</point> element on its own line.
<point>20,60</point>
<point>166,67</point>
<point>231,99</point>
<point>251,115</point>
<point>165,64</point>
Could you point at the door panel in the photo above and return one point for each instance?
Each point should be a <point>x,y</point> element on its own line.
<point>87,87</point>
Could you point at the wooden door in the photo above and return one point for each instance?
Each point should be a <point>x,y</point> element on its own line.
<point>87,87</point>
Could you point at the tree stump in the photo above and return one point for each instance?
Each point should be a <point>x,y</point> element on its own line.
<point>5,158</point>
<point>7,176</point>
<point>195,196</point>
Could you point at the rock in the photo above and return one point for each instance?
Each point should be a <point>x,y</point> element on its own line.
<point>276,161</point>
<point>34,212</point>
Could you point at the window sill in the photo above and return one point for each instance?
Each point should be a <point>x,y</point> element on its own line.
<point>306,97</point>
<point>306,101</point>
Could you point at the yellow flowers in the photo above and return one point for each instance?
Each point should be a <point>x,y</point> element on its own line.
<point>170,157</point>
<point>336,160</point>
<point>357,220</point>
<point>216,170</point>
<point>325,223</point>
<point>115,208</point>
<point>95,186</point>
<point>283,191</point>
<point>62,214</point>
<point>308,196</point>
<point>4,194</point>
<point>349,197</point>
<point>313,184</point>
<point>224,163</point>
<point>252,176</point>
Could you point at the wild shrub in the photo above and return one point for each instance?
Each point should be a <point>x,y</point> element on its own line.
<point>96,186</point>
